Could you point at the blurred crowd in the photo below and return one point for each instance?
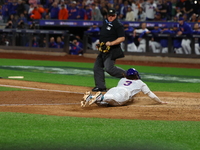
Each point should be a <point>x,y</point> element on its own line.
<point>22,14</point>
<point>23,11</point>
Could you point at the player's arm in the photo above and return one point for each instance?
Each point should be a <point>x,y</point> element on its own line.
<point>115,42</point>
<point>145,89</point>
<point>155,98</point>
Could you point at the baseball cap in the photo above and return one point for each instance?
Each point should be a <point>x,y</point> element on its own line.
<point>111,11</point>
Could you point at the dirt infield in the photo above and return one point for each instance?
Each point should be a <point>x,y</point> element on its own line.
<point>64,100</point>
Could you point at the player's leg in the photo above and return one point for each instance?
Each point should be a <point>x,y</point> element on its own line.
<point>99,76</point>
<point>197,49</point>
<point>113,70</point>
<point>165,50</point>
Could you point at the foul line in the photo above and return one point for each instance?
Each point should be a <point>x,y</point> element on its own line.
<point>30,88</point>
<point>38,104</point>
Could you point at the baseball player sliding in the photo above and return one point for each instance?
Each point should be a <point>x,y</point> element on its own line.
<point>127,87</point>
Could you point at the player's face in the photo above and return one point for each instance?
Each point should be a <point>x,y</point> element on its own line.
<point>111,17</point>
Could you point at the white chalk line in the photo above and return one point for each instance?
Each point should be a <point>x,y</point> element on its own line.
<point>31,88</point>
<point>39,104</point>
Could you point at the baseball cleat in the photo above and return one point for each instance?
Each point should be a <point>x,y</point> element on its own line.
<point>86,99</point>
<point>97,97</point>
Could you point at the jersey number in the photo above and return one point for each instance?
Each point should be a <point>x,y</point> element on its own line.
<point>128,83</point>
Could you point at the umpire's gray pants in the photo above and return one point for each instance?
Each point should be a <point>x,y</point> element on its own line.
<point>107,65</point>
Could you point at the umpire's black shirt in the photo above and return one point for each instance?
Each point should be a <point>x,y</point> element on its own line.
<point>110,31</point>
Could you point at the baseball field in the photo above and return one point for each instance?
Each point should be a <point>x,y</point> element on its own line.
<point>42,110</point>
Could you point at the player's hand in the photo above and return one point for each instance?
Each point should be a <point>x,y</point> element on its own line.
<point>108,43</point>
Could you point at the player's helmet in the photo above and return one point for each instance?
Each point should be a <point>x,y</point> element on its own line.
<point>132,72</point>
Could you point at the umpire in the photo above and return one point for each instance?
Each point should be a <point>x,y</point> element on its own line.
<point>111,35</point>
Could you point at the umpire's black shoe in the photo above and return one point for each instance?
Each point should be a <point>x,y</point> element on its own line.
<point>96,89</point>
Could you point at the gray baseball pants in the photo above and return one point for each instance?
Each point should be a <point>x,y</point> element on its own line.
<point>108,65</point>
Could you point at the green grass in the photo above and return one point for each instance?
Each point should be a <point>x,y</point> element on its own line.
<point>41,132</point>
<point>10,89</point>
<point>88,80</point>
<point>49,132</point>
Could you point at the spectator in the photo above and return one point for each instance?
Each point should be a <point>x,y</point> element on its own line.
<point>155,41</point>
<point>35,14</point>
<point>54,11</point>
<point>34,2</point>
<point>150,9</point>
<point>103,9</point>
<point>42,10</point>
<point>14,20</point>
<point>52,43</point>
<point>93,33</point>
<point>81,12</point>
<point>96,13</point>
<point>173,10</point>
<point>74,48</point>
<point>178,12</point>
<point>196,30</point>
<point>164,40</point>
<point>130,14</point>
<point>62,2</point>
<point>26,15</point>
<point>73,11</point>
<point>135,5</point>
<point>20,7</point>
<point>22,18</point>
<point>168,3</point>
<point>176,40</point>
<point>35,42</point>
<point>142,41</point>
<point>9,25</point>
<point>117,8</point>
<point>124,10</point>
<point>88,12</point>
<point>31,8</point>
<point>193,18</point>
<point>13,7</point>
<point>60,43</point>
<point>158,17</point>
<point>162,8</point>
<point>179,5</point>
<point>63,13</point>
<point>47,16</point>
<point>188,8</point>
<point>131,47</point>
<point>79,44</point>
<point>26,6</point>
<point>141,16</point>
<point>5,12</point>
<point>186,30</point>
<point>88,2</point>
<point>175,19</point>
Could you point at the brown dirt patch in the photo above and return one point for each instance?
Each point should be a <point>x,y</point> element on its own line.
<point>63,100</point>
<point>182,106</point>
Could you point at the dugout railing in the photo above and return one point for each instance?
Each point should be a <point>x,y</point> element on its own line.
<point>21,39</point>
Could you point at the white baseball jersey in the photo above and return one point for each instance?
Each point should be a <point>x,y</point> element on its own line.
<point>125,90</point>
